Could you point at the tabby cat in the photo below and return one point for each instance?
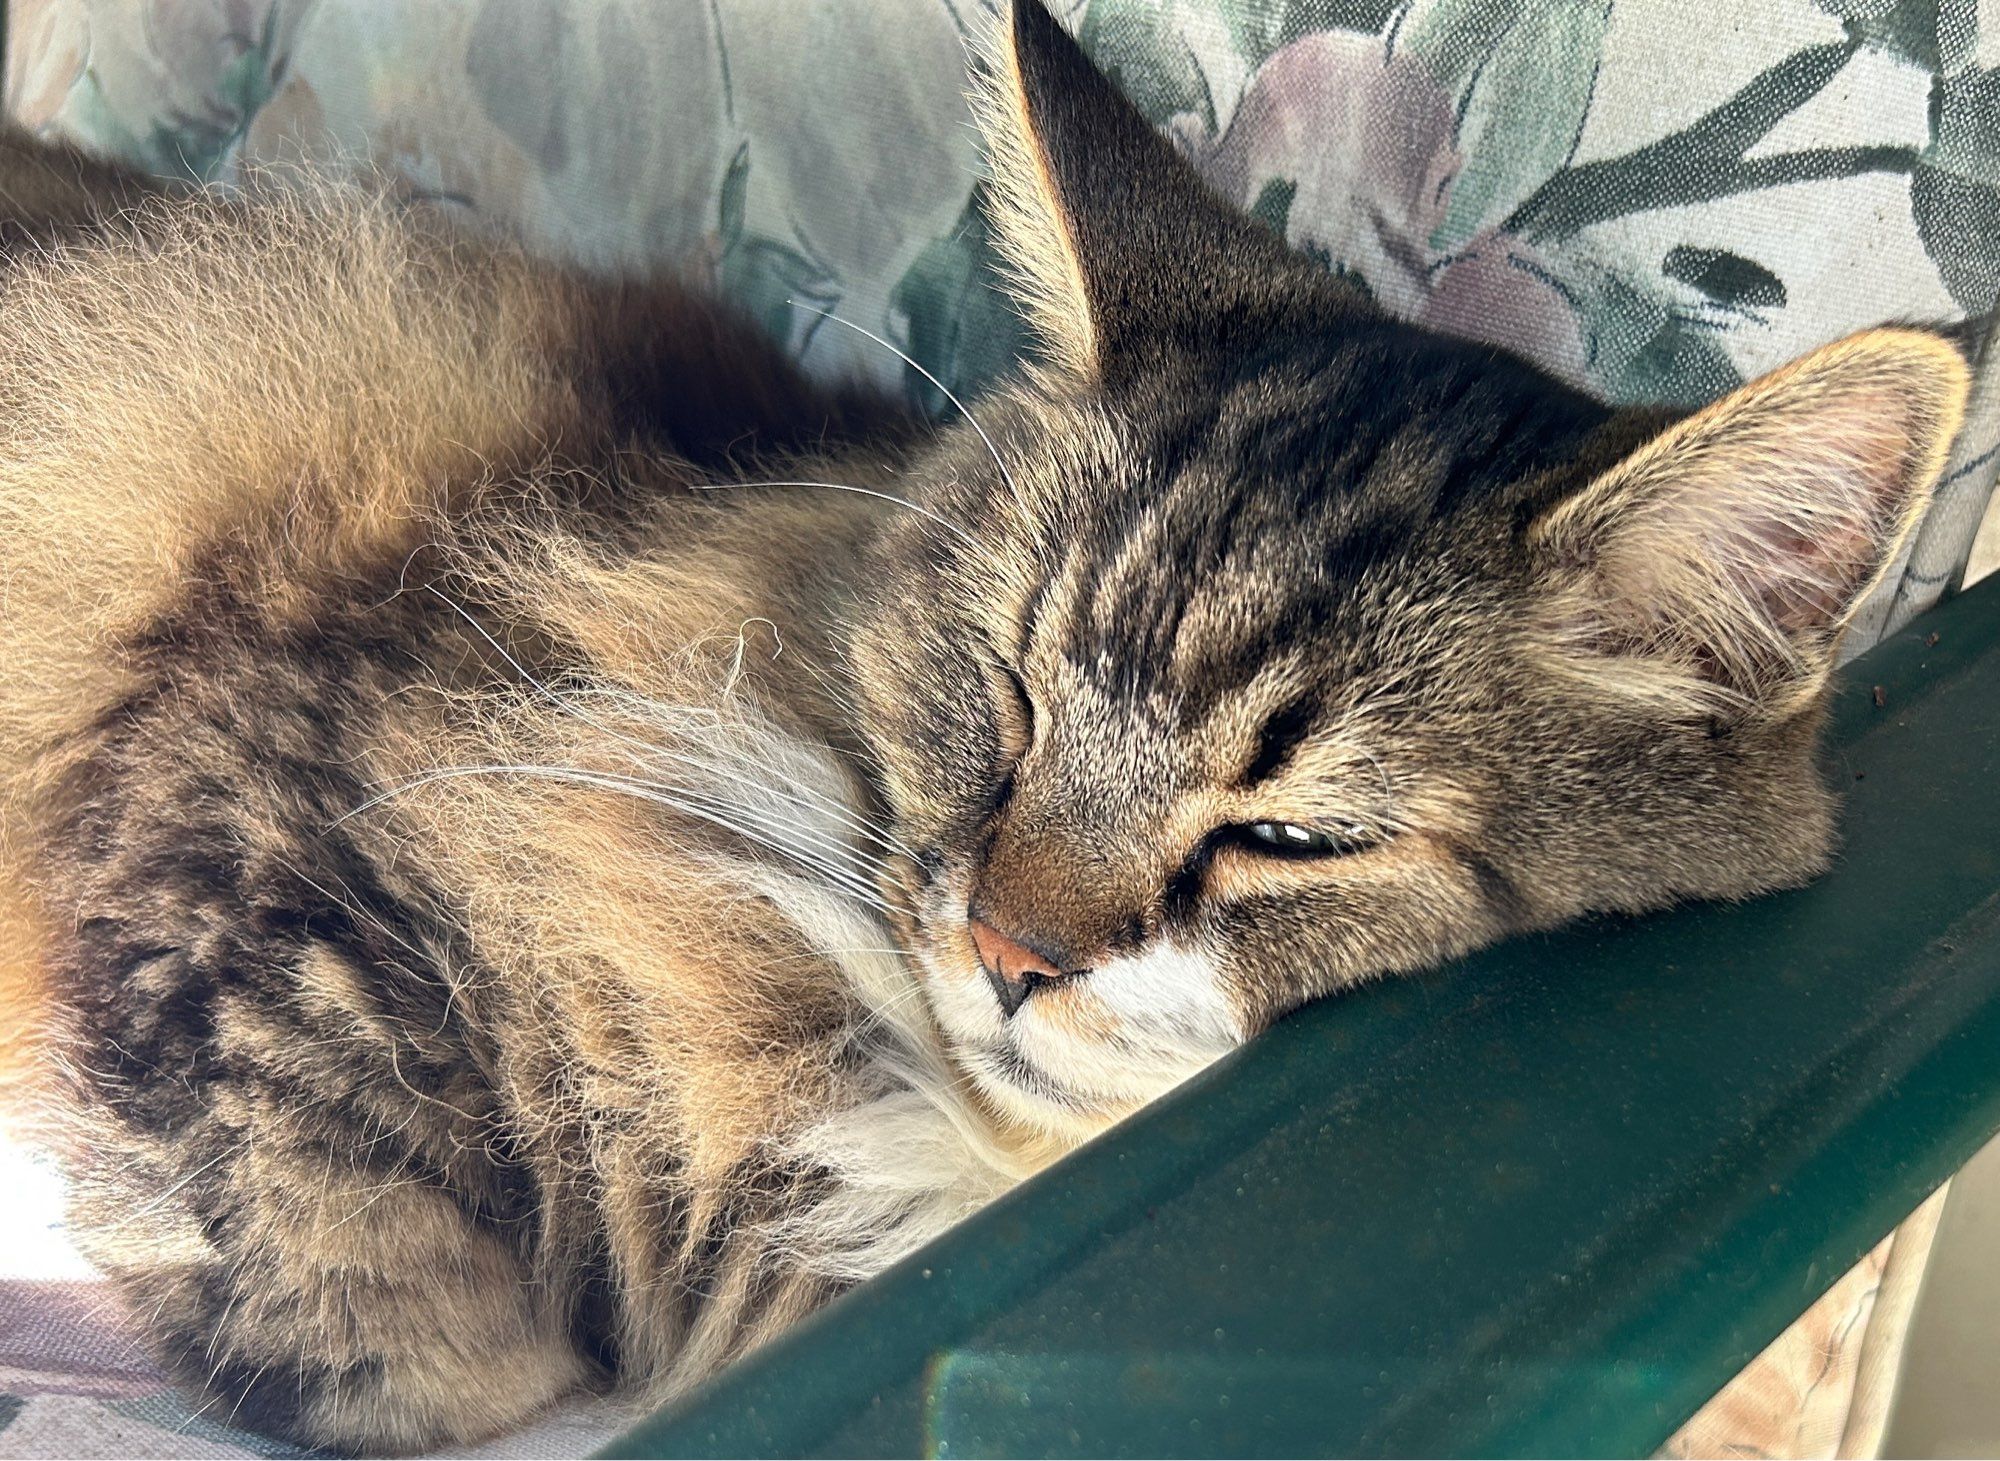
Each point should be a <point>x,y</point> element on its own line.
<point>543,845</point>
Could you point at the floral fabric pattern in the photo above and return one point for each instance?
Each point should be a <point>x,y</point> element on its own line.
<point>1655,199</point>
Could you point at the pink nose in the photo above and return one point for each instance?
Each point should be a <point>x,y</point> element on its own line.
<point>1012,968</point>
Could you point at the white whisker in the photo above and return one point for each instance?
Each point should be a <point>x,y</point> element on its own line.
<point>566,704</point>
<point>971,420</point>
<point>944,522</point>
<point>808,796</point>
<point>851,880</point>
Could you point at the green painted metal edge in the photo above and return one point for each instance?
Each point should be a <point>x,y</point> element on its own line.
<point>1544,1202</point>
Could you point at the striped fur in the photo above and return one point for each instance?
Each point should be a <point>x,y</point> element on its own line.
<point>489,882</point>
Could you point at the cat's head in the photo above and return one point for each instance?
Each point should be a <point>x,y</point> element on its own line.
<point>1262,644</point>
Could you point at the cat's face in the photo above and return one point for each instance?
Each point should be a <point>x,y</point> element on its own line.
<point>1261,645</point>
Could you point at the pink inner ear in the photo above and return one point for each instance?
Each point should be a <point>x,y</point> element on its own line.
<point>1742,545</point>
<point>1739,541</point>
<point>1796,516</point>
<point>1727,553</point>
<point>1805,582</point>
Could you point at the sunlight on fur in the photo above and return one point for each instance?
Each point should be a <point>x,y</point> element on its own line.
<point>540,845</point>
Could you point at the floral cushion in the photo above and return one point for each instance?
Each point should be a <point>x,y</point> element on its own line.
<point>1654,198</point>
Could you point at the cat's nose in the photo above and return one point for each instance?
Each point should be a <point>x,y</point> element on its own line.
<point>1013,968</point>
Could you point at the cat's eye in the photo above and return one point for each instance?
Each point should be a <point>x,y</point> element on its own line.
<point>1022,698</point>
<point>1017,716</point>
<point>1289,839</point>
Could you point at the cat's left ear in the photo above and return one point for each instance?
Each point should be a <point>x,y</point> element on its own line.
<point>1719,563</point>
<point>1116,246</point>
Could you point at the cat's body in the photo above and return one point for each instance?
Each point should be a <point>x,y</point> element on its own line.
<point>506,913</point>
<point>406,1106</point>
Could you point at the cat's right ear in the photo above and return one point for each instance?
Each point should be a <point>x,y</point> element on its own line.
<point>1116,247</point>
<point>1717,566</point>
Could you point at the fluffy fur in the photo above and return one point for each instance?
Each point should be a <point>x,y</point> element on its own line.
<point>491,834</point>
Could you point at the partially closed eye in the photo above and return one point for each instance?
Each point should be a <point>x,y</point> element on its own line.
<point>1252,858</point>
<point>1014,712</point>
<point>1292,839</point>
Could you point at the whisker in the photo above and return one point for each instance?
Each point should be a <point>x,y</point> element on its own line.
<point>850,880</point>
<point>807,799</point>
<point>808,795</point>
<point>567,706</point>
<point>944,522</point>
<point>973,421</point>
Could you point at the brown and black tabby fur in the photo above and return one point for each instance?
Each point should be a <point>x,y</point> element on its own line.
<point>499,916</point>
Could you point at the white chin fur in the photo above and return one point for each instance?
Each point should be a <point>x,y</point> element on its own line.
<point>917,1152</point>
<point>1165,1011</point>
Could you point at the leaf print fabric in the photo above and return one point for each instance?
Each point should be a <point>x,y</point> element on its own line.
<point>1655,199</point>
